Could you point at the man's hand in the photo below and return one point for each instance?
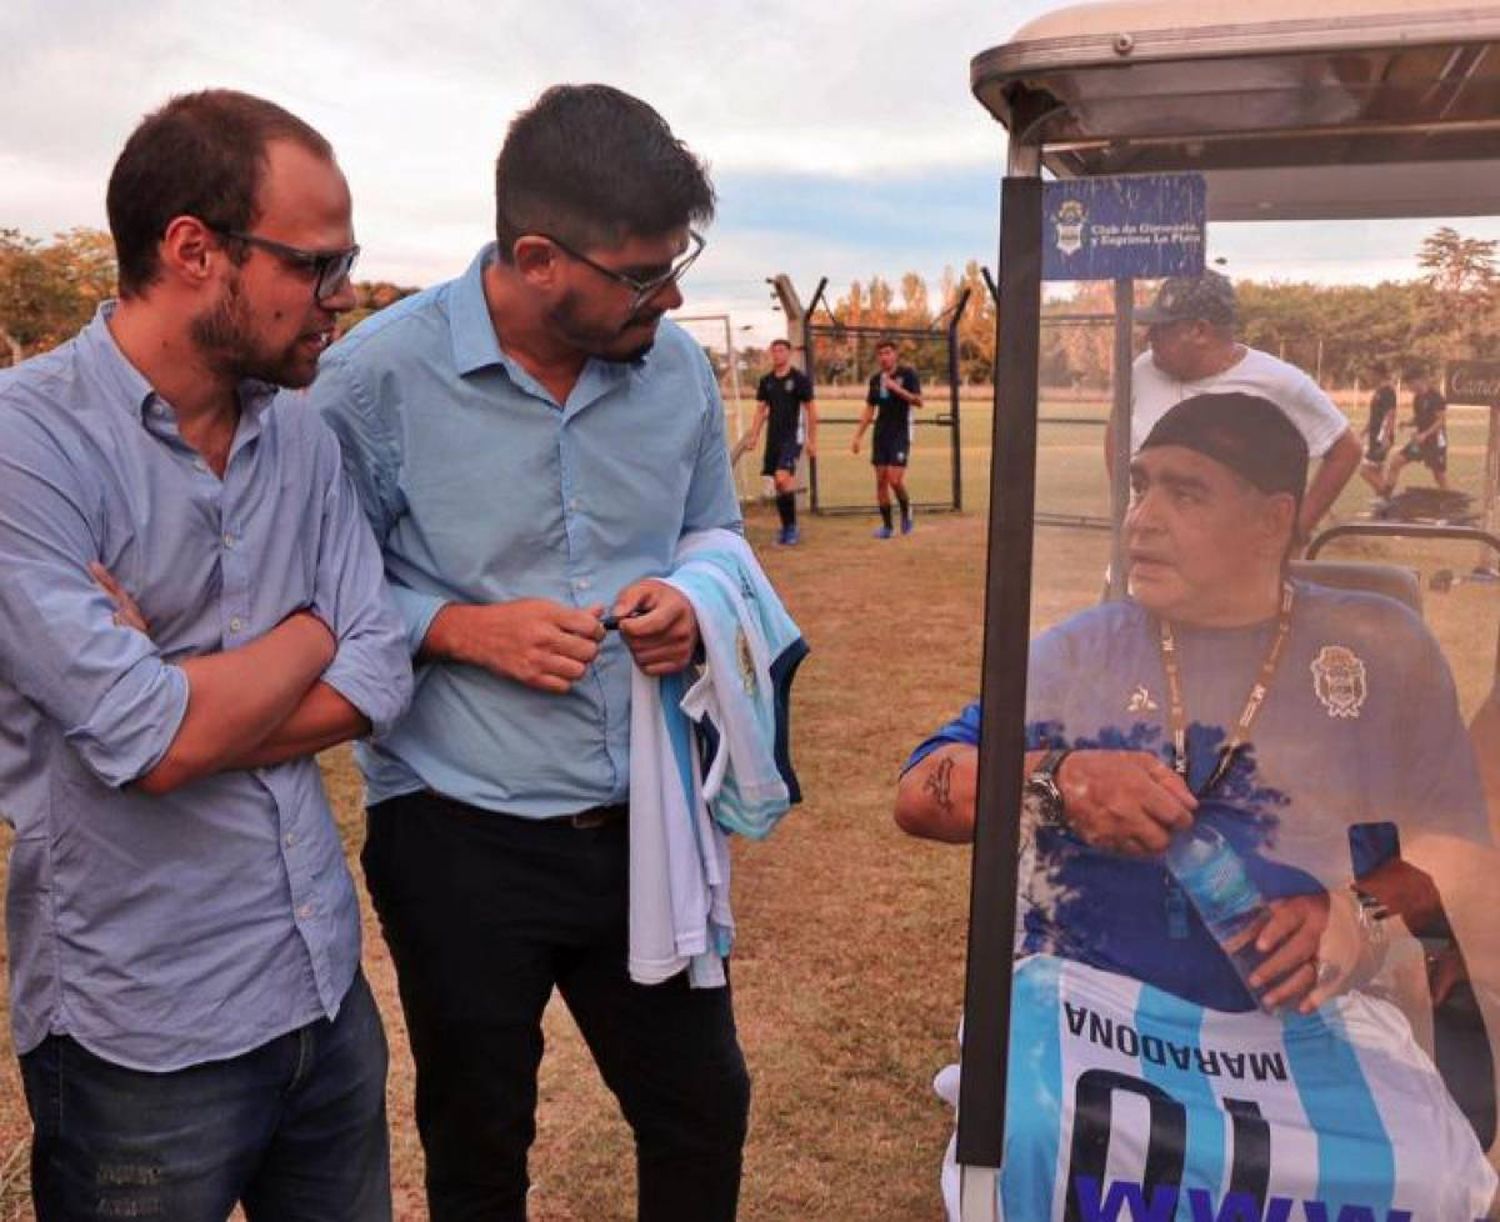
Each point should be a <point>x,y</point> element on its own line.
<point>1126,802</point>
<point>543,644</point>
<point>1309,955</point>
<point>127,613</point>
<point>657,625</point>
<point>743,445</point>
<point>1409,893</point>
<point>812,447</point>
<point>854,445</point>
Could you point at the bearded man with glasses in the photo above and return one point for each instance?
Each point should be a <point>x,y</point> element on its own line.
<point>530,442</point>
<point>192,608</point>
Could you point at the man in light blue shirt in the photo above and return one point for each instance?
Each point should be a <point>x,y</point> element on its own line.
<point>192,606</point>
<point>530,441</point>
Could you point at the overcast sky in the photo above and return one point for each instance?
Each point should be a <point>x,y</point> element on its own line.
<point>842,137</point>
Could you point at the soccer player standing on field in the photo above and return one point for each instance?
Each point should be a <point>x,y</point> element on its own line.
<point>1380,430</point>
<point>1429,444</point>
<point>785,398</point>
<point>894,390</point>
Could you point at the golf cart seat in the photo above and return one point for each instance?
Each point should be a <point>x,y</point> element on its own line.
<point>1393,580</point>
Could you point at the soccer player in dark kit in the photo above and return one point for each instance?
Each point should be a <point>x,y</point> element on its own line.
<point>1429,443</point>
<point>785,399</point>
<point>1381,429</point>
<point>894,390</point>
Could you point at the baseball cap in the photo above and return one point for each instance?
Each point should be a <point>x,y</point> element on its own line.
<point>1209,297</point>
<point>1249,435</point>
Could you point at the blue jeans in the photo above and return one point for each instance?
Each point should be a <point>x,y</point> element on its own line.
<point>294,1129</point>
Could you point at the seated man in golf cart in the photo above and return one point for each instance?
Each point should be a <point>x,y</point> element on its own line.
<point>1227,777</point>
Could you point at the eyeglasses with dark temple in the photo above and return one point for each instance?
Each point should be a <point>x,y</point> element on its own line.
<point>646,289</point>
<point>331,267</point>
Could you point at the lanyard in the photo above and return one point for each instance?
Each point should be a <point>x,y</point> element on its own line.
<point>1177,705</point>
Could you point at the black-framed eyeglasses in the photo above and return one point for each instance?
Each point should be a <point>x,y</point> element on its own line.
<point>331,267</point>
<point>644,289</point>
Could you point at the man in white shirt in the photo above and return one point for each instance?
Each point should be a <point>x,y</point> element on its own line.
<point>1194,351</point>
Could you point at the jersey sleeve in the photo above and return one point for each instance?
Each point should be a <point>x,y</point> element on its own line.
<point>872,395</point>
<point>804,388</point>
<point>963,729</point>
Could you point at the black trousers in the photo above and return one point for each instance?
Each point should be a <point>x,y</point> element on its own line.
<point>484,914</point>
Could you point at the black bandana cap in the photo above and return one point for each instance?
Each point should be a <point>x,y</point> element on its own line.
<point>1249,435</point>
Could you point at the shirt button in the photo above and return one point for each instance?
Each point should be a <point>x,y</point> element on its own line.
<point>236,624</point>
<point>228,540</point>
<point>159,410</point>
<point>290,840</point>
<point>200,464</point>
<point>573,505</point>
<point>581,584</point>
<point>305,911</point>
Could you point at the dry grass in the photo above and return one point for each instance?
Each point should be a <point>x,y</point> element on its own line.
<point>849,968</point>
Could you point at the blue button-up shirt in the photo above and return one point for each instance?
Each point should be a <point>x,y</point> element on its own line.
<point>167,931</point>
<point>482,488</point>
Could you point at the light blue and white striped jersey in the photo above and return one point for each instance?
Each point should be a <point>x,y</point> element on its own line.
<point>1128,1104</point>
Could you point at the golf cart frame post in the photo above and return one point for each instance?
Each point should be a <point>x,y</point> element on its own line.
<point>946,326</point>
<point>1370,109</point>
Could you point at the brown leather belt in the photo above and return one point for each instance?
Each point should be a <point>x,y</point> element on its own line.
<point>595,816</point>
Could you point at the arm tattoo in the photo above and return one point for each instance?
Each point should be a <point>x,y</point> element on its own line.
<point>939,784</point>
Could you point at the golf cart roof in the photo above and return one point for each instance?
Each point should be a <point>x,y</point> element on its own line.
<point>1374,109</point>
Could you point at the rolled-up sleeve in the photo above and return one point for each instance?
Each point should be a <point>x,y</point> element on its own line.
<point>116,700</point>
<point>372,668</point>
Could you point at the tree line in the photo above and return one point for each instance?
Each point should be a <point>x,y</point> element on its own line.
<point>1450,311</point>
<point>49,289</point>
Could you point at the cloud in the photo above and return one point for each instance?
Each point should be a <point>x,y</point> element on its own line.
<point>842,136</point>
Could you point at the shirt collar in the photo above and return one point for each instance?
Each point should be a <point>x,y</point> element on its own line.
<point>104,355</point>
<point>475,344</point>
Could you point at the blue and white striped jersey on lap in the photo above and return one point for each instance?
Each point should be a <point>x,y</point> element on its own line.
<point>1127,1104</point>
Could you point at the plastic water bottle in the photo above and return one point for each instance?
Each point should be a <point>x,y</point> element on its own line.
<point>1216,883</point>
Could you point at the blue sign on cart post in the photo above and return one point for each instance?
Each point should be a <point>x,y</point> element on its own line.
<point>1138,226</point>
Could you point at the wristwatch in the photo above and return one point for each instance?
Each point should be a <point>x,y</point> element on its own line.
<point>1041,794</point>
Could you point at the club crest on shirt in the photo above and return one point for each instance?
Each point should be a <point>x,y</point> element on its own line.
<point>1339,680</point>
<point>746,661</point>
<point>1140,701</point>
<point>788,385</point>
